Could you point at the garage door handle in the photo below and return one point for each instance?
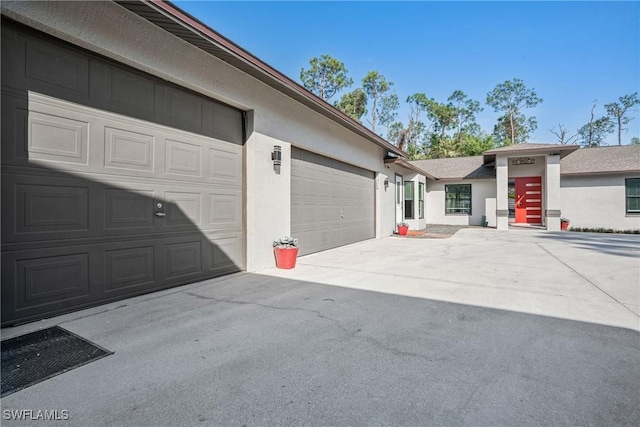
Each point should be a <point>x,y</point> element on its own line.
<point>159,213</point>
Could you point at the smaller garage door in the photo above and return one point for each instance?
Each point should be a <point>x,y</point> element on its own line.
<point>332,203</point>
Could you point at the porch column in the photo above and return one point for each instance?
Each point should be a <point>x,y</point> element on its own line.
<point>502,193</point>
<point>552,210</point>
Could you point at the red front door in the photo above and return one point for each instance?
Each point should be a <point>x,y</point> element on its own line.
<point>529,200</point>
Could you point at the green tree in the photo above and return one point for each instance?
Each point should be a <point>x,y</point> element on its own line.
<point>618,111</point>
<point>507,126</point>
<point>510,98</point>
<point>389,105</point>
<point>442,146</point>
<point>377,89</point>
<point>594,133</point>
<point>475,144</point>
<point>325,77</point>
<point>635,140</point>
<point>412,138</point>
<point>353,104</point>
<point>465,112</point>
<point>443,117</point>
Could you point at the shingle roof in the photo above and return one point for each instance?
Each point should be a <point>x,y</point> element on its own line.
<point>614,159</point>
<point>583,161</point>
<point>457,168</point>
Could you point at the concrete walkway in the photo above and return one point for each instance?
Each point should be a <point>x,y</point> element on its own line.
<point>484,328</point>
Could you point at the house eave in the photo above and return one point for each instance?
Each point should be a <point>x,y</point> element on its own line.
<point>405,164</point>
<point>561,150</point>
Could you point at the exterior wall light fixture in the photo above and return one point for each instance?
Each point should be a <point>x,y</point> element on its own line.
<point>276,156</point>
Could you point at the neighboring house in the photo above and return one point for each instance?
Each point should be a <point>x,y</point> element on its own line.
<point>142,150</point>
<point>537,184</point>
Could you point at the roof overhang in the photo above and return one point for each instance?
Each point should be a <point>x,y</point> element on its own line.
<point>186,27</point>
<point>405,164</point>
<point>559,150</point>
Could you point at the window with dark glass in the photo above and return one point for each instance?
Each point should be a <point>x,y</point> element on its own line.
<point>457,198</point>
<point>632,186</point>
<point>421,200</point>
<point>408,199</point>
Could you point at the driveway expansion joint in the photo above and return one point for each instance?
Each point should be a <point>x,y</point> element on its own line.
<point>588,281</point>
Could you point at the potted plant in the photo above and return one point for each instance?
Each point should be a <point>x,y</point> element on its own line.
<point>286,252</point>
<point>564,224</point>
<point>403,228</point>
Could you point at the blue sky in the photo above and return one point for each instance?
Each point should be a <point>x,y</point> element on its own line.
<point>571,53</point>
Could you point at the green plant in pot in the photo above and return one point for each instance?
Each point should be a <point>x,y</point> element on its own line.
<point>564,223</point>
<point>286,252</point>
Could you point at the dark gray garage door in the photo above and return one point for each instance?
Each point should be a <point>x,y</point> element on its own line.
<point>113,183</point>
<point>332,203</point>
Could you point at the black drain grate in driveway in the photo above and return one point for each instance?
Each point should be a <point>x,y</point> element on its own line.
<point>31,358</point>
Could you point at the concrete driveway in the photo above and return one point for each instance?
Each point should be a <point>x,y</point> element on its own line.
<point>484,328</point>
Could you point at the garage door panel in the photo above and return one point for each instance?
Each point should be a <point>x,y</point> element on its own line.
<point>129,269</point>
<point>126,149</point>
<point>183,259</point>
<point>332,203</point>
<point>182,208</point>
<point>225,255</point>
<point>53,69</point>
<point>225,210</point>
<point>128,209</point>
<point>123,91</point>
<point>183,158</point>
<point>44,280</point>
<point>225,166</point>
<point>38,209</point>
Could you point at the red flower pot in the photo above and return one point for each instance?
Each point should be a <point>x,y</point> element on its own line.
<point>564,226</point>
<point>403,229</point>
<point>286,257</point>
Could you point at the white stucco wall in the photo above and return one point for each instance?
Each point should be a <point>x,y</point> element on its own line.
<point>387,200</point>
<point>110,30</point>
<point>481,189</point>
<point>536,169</point>
<point>596,201</point>
<point>551,185</point>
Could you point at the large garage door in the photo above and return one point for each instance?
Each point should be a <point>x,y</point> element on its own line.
<point>101,205</point>
<point>332,203</point>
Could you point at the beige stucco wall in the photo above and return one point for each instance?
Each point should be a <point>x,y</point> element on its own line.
<point>597,201</point>
<point>110,30</point>
<point>481,189</point>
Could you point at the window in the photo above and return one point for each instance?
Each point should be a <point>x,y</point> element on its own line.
<point>633,195</point>
<point>457,199</point>
<point>421,200</point>
<point>408,199</point>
